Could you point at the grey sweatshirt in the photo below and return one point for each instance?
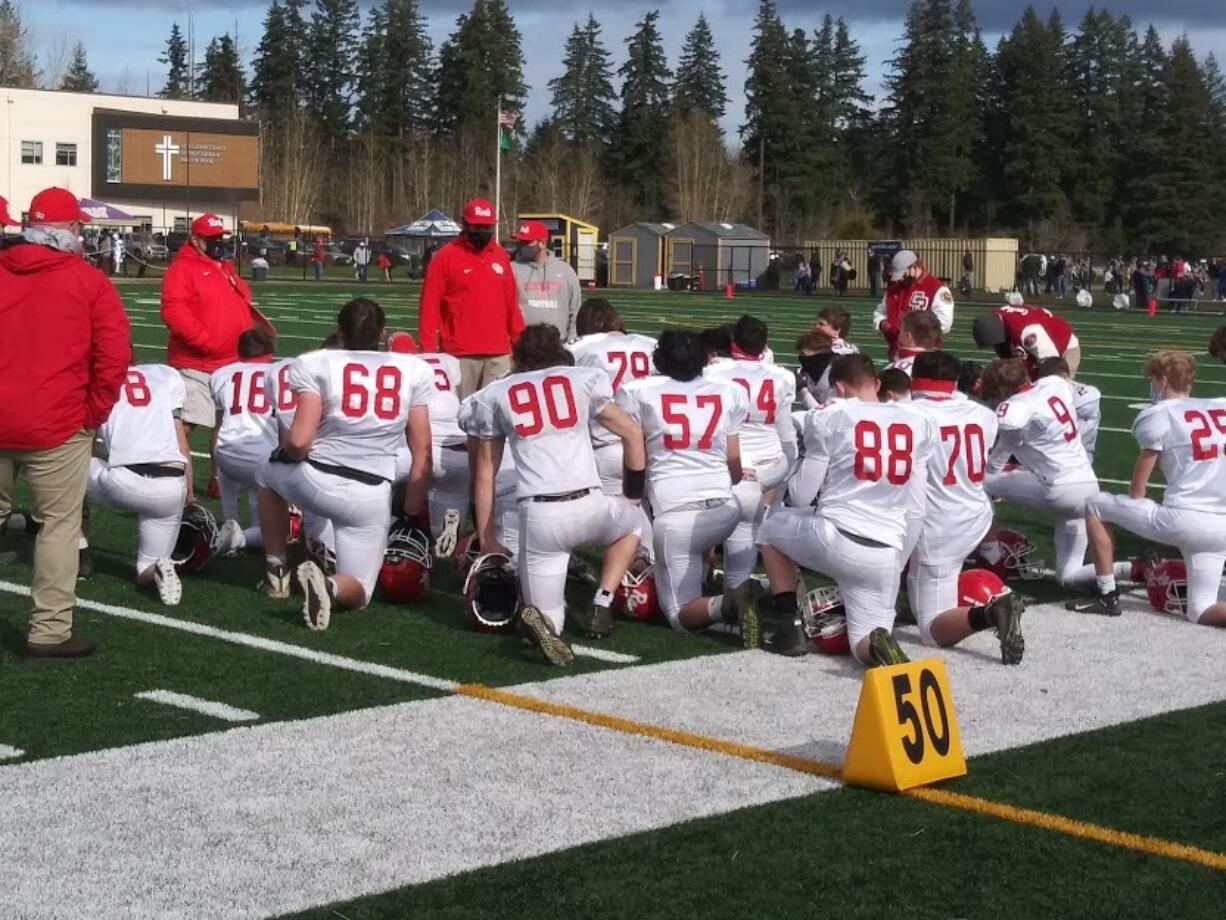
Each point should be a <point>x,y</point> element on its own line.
<point>549,292</point>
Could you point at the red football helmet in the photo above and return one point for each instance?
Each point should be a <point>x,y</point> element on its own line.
<point>977,587</point>
<point>1007,554</point>
<point>295,524</point>
<point>1167,586</point>
<point>196,541</point>
<point>825,620</point>
<point>402,343</point>
<point>636,596</point>
<point>405,575</point>
<point>491,594</point>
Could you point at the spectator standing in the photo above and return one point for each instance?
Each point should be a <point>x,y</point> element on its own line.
<point>361,260</point>
<point>469,302</point>
<point>206,306</point>
<point>842,274</point>
<point>801,279</point>
<point>815,272</point>
<point>968,273</point>
<point>318,256</point>
<point>384,261</point>
<point>874,273</point>
<point>117,254</point>
<point>1221,282</point>
<point>63,358</point>
<point>549,289</point>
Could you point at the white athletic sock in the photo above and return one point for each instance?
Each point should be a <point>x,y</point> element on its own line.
<point>82,543</point>
<point>1105,583</point>
<point>603,598</point>
<point>273,561</point>
<point>715,608</point>
<point>1123,571</point>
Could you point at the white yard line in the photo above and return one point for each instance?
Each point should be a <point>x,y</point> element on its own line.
<point>212,708</point>
<point>603,654</point>
<point>256,642</point>
<point>10,753</point>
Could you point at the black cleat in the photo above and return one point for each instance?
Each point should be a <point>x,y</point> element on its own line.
<point>883,649</point>
<point>85,563</point>
<point>1106,605</point>
<point>597,623</point>
<point>789,638</point>
<point>1006,612</point>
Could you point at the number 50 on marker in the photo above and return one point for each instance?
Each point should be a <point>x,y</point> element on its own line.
<point>905,733</point>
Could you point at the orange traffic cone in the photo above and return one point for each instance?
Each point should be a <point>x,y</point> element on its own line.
<point>1152,309</point>
<point>728,291</point>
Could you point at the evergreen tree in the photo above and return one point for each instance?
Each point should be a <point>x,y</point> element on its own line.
<point>480,67</point>
<point>638,152</point>
<point>699,86</point>
<point>767,132</point>
<point>394,70</point>
<point>583,97</point>
<point>79,78</point>
<point>275,71</point>
<point>221,72</point>
<point>332,40</point>
<point>16,60</point>
<point>1144,177</point>
<point>849,101</point>
<point>177,84</point>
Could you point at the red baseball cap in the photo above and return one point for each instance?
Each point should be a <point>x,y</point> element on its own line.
<point>5,219</point>
<point>402,343</point>
<point>56,206</point>
<point>208,225</point>
<point>532,231</point>
<point>479,212</point>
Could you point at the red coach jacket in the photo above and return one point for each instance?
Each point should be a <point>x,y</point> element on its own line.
<point>470,301</point>
<point>206,306</point>
<point>65,349</point>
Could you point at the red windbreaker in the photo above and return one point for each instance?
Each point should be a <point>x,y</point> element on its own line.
<point>65,349</point>
<point>206,306</point>
<point>470,300</point>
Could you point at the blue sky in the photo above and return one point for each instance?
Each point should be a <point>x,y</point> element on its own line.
<point>123,38</point>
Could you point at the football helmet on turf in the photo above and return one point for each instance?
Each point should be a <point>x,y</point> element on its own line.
<point>1166,584</point>
<point>491,594</point>
<point>977,587</point>
<point>466,552</point>
<point>1007,554</point>
<point>405,574</point>
<point>197,539</point>
<point>636,596</point>
<point>825,620</point>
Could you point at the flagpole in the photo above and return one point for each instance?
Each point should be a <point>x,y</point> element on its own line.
<point>497,167</point>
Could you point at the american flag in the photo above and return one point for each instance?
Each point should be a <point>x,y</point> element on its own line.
<point>507,119</point>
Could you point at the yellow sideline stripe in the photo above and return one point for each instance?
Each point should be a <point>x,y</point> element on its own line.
<point>1154,846</point>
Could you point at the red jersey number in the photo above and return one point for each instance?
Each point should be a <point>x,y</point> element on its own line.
<point>360,394</point>
<point>674,410</point>
<point>969,444</point>
<point>1064,417</point>
<point>136,390</point>
<point>287,399</point>
<point>636,362</point>
<point>442,382</point>
<point>872,455</point>
<point>256,401</point>
<point>1203,425</point>
<point>765,401</point>
<point>554,394</point>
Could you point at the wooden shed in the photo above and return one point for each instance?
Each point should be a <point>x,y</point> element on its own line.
<point>995,259</point>
<point>636,254</point>
<point>718,254</point>
<point>572,240</point>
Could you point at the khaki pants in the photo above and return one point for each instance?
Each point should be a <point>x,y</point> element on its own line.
<point>1072,357</point>
<point>477,371</point>
<point>57,477</point>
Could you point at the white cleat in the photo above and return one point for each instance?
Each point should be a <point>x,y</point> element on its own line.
<point>444,546</point>
<point>317,603</point>
<point>230,539</point>
<point>170,588</point>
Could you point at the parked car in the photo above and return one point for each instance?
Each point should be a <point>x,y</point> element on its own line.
<point>399,254</point>
<point>336,255</point>
<point>273,250</point>
<point>147,249</point>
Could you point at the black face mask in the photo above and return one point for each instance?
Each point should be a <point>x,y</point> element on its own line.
<point>815,365</point>
<point>478,239</point>
<point>215,248</point>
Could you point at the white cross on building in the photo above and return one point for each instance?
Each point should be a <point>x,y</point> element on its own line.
<point>166,149</point>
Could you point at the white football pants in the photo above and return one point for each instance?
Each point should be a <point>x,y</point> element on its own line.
<point>1067,505</point>
<point>235,471</point>
<point>681,537</point>
<point>157,503</point>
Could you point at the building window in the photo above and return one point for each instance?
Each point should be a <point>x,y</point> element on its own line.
<point>32,152</point>
<point>114,155</point>
<point>65,154</point>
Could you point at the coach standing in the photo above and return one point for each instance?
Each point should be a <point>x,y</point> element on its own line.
<point>63,357</point>
<point>470,303</point>
<point>206,306</point>
<point>549,289</point>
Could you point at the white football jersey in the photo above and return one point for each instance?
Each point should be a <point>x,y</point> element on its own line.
<point>1038,426</point>
<point>1087,404</point>
<point>905,361</point>
<point>770,391</point>
<point>957,506</point>
<point>445,404</point>
<point>686,426</point>
<point>141,427</point>
<point>623,356</point>
<point>366,397</point>
<point>867,463</point>
<point>1191,433</point>
<point>240,393</point>
<point>284,399</point>
<point>544,417</point>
